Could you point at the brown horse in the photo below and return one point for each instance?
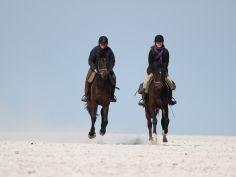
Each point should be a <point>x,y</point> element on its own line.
<point>157,99</point>
<point>100,95</point>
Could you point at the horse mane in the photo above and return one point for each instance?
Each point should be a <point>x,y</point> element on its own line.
<point>100,82</point>
<point>154,66</point>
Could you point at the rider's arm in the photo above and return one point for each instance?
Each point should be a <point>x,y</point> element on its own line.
<point>92,59</point>
<point>166,60</point>
<point>150,57</point>
<point>112,60</point>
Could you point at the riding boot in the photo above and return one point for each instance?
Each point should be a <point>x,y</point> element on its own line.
<point>87,91</point>
<point>172,101</point>
<point>143,99</point>
<point>87,86</point>
<point>113,97</point>
<point>113,83</point>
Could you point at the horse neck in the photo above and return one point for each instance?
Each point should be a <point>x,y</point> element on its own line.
<point>157,92</point>
<point>100,83</point>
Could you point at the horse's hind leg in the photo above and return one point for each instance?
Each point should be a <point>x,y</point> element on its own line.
<point>104,114</point>
<point>165,123</point>
<point>93,113</point>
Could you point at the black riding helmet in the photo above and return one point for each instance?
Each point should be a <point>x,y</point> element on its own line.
<point>159,38</point>
<point>103,40</point>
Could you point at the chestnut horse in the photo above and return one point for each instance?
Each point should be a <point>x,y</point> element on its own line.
<point>157,99</point>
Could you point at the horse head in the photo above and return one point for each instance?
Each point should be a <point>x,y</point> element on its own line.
<point>158,76</point>
<point>104,73</point>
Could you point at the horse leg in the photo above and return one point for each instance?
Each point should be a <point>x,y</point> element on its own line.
<point>149,123</point>
<point>154,122</point>
<point>104,114</point>
<point>93,114</point>
<point>165,122</point>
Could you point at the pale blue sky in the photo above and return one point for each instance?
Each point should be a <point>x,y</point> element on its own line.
<point>44,48</point>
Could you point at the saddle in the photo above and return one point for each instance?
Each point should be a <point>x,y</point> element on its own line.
<point>141,89</point>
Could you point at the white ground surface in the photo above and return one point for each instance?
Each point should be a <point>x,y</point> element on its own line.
<point>117,156</point>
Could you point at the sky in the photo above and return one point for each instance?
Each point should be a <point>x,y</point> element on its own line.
<point>44,49</point>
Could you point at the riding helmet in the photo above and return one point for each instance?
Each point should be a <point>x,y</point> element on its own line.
<point>159,38</point>
<point>103,40</point>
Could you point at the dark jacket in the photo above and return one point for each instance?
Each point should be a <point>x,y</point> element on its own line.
<point>98,53</point>
<point>158,55</point>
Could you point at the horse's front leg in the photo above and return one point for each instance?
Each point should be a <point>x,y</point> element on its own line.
<point>149,122</point>
<point>104,114</point>
<point>154,122</point>
<point>93,115</point>
<point>165,123</point>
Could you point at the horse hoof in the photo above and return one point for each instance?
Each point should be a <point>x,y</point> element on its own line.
<point>91,135</point>
<point>102,132</point>
<point>165,139</point>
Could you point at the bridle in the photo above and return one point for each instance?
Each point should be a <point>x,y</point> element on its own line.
<point>158,84</point>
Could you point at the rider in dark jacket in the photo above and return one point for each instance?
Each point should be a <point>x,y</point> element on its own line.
<point>97,53</point>
<point>160,55</point>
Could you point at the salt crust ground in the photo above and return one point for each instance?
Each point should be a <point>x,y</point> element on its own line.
<point>117,155</point>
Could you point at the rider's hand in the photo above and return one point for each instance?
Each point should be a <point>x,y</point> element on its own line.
<point>96,71</point>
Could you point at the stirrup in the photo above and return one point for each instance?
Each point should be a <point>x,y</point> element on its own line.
<point>141,103</point>
<point>113,99</point>
<point>84,98</point>
<point>172,101</point>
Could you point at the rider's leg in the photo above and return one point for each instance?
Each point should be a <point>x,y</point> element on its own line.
<point>146,84</point>
<point>87,86</point>
<point>113,97</point>
<point>143,99</point>
<point>172,86</point>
